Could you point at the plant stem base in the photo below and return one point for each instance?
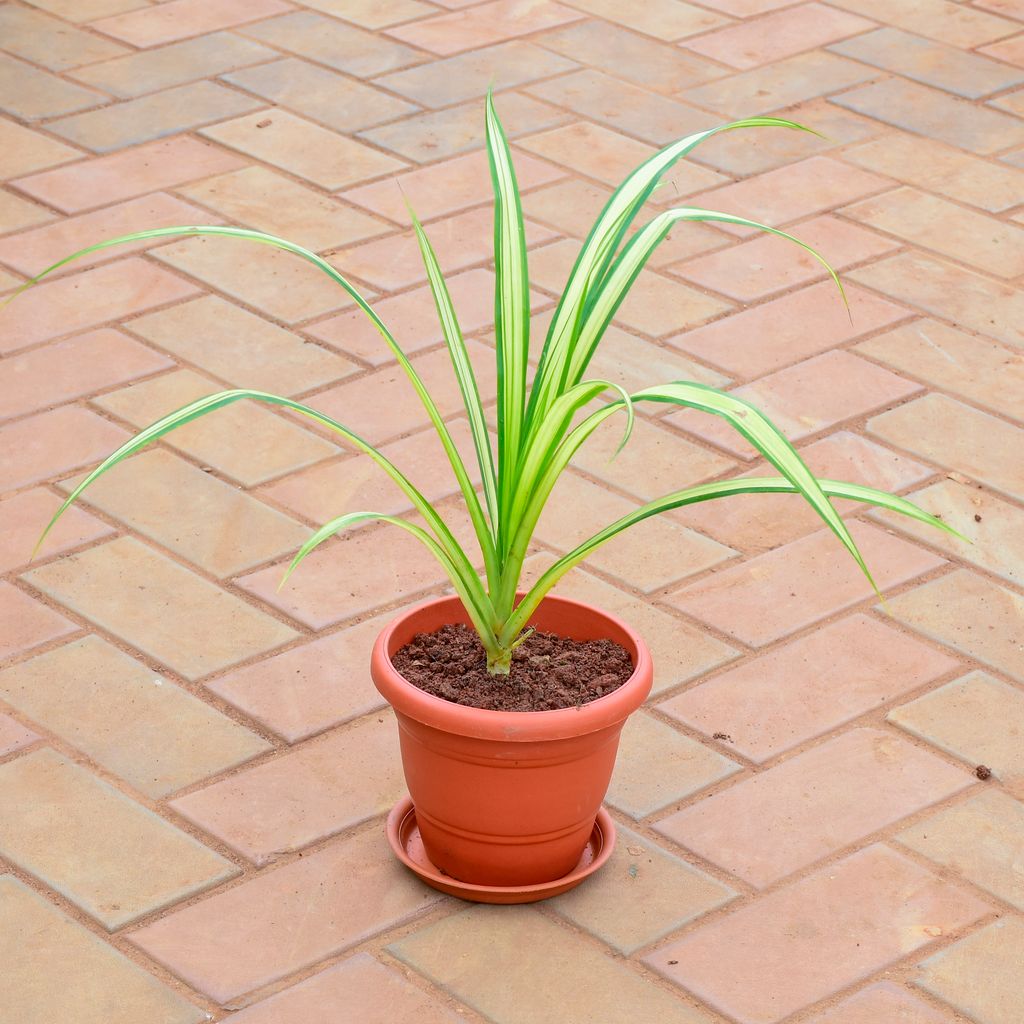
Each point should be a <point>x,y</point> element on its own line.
<point>404,837</point>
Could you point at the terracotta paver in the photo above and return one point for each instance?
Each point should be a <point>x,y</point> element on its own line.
<point>308,688</point>
<point>22,518</point>
<point>268,201</point>
<point>216,527</point>
<point>975,368</point>
<point>792,327</point>
<point>665,893</point>
<point>185,18</point>
<point>153,116</point>
<point>948,432</point>
<point>128,173</point>
<point>273,282</point>
<point>286,919</point>
<point>313,792</point>
<point>174,64</point>
<point>241,348</point>
<point>361,986</point>
<point>803,399</point>
<point>803,833</point>
<point>138,725</point>
<point>92,981</point>
<point>245,442</point>
<point>14,735</point>
<point>766,827</point>
<point>25,151</point>
<point>303,148</point>
<point>994,640</point>
<point>556,970</point>
<point>832,928</point>
<point>28,623</point>
<point>778,35</point>
<point>93,583</point>
<point>798,584</point>
<point>977,718</point>
<point>42,377</point>
<point>979,839</point>
<point>884,1001</point>
<point>640,787</point>
<point>138,863</point>
<point>954,293</point>
<point>991,525</point>
<point>798,692</point>
<point>33,251</point>
<point>978,974</point>
<point>87,300</point>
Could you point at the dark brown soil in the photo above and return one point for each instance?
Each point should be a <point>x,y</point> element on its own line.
<point>548,671</point>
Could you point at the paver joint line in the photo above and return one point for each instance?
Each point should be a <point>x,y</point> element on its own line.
<point>821,809</point>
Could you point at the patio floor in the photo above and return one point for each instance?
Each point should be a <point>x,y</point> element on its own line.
<point>195,767</point>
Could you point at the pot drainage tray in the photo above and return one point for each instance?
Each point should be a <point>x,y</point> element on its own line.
<point>404,837</point>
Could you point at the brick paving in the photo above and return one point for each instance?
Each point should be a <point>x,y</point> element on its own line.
<point>194,767</point>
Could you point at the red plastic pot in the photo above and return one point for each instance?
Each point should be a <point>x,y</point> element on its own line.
<point>507,798</point>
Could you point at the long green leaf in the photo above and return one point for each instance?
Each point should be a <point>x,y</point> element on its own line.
<point>599,248</point>
<point>210,403</point>
<point>757,429</point>
<point>511,310</point>
<point>455,459</point>
<point>603,304</point>
<point>538,459</point>
<point>463,371</point>
<point>481,612</point>
<point>691,496</point>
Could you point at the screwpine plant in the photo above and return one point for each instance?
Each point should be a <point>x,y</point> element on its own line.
<point>536,433</point>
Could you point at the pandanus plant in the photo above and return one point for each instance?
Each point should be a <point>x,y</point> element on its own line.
<point>539,428</point>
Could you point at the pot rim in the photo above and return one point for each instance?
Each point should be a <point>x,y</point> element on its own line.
<point>523,726</point>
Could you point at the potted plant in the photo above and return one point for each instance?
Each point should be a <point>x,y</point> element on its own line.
<point>510,702</point>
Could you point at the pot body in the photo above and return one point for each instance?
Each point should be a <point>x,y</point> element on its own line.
<point>508,798</point>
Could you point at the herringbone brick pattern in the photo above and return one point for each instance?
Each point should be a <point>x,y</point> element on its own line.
<point>194,766</point>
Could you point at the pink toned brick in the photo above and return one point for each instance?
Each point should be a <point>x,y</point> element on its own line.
<point>804,399</point>
<point>33,251</point>
<point>349,576</point>
<point>88,299</point>
<point>458,241</point>
<point>411,317</point>
<point>52,443</point>
<point>446,187</point>
<point>361,988</point>
<point>287,919</point>
<point>797,190</point>
<point>813,805</point>
<point>69,369</point>
<point>788,329</point>
<point>180,19</point>
<point>383,404</point>
<point>312,792</point>
<point>27,622</point>
<point>23,517</point>
<point>311,687</point>
<point>318,492</point>
<point>147,168</point>
<point>768,264</point>
<point>885,1001</point>
<point>800,691</point>
<point>14,735</point>
<point>777,593</point>
<point>805,941</point>
<point>777,35</point>
<point>480,26</point>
